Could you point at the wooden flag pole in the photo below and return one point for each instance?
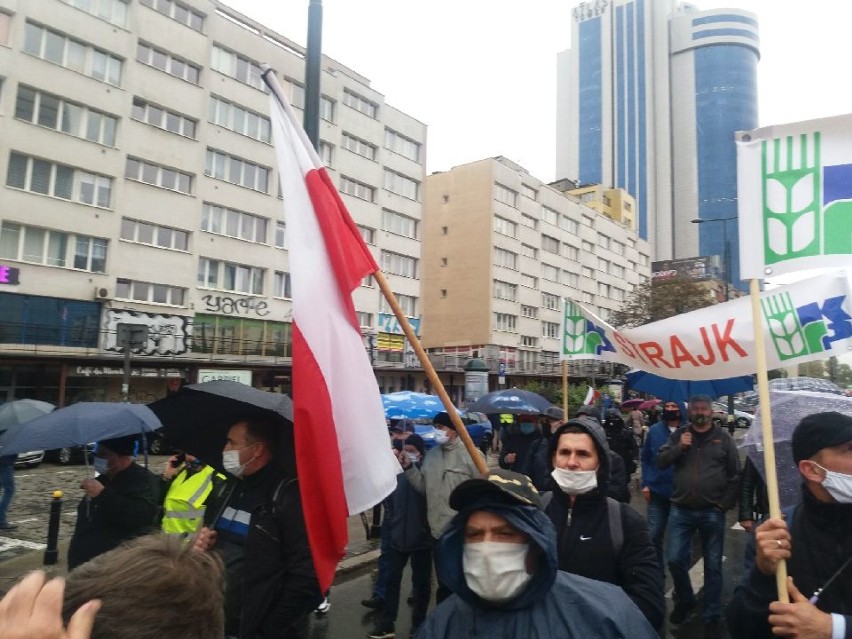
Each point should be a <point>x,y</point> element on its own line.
<point>475,455</point>
<point>565,389</point>
<point>770,474</point>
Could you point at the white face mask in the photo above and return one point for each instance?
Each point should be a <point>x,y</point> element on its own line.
<point>231,462</point>
<point>575,482</point>
<point>100,465</point>
<point>496,571</point>
<point>441,437</point>
<point>413,457</point>
<point>838,485</point>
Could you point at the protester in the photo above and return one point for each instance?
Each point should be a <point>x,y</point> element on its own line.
<point>813,537</point>
<point>598,537</point>
<point>7,484</point>
<point>119,504</point>
<point>657,482</point>
<point>498,555</point>
<point>185,486</point>
<point>754,500</point>
<point>636,421</point>
<point>518,442</point>
<point>409,541</point>
<point>706,471</point>
<point>538,462</point>
<point>621,441</point>
<point>618,486</point>
<point>444,467</point>
<point>257,525</point>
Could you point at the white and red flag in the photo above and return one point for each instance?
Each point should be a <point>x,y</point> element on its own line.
<point>343,456</point>
<point>592,395</point>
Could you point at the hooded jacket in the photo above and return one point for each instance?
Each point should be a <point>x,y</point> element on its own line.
<point>658,480</point>
<point>553,604</point>
<point>584,541</point>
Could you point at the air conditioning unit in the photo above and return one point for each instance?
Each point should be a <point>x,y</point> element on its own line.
<point>103,293</point>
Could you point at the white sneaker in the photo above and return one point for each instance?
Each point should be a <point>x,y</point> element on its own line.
<point>323,607</point>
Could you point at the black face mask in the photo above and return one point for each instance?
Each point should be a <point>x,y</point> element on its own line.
<point>671,415</point>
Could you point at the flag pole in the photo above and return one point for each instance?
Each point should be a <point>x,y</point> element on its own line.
<point>434,380</point>
<point>771,476</point>
<point>565,388</point>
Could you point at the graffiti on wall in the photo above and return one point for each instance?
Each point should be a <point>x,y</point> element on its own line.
<point>167,334</point>
<point>235,305</point>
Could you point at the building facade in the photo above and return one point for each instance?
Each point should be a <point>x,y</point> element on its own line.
<point>501,250</point>
<point>648,99</point>
<point>139,188</point>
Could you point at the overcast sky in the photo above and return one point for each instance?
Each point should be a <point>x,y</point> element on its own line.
<point>481,73</point>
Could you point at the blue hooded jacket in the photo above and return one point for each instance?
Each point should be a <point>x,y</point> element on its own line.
<point>553,604</point>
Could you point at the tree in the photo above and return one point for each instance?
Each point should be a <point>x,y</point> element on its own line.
<point>654,300</point>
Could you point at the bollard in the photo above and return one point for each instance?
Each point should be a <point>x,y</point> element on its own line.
<point>51,553</point>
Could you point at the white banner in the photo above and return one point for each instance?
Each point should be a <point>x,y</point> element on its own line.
<point>794,188</point>
<point>805,321</point>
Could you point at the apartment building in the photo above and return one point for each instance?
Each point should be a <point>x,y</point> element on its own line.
<point>501,249</point>
<point>139,188</point>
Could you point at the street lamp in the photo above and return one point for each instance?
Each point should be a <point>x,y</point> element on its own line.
<point>727,250</point>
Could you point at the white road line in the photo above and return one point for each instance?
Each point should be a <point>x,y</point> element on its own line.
<point>25,521</point>
<point>7,543</point>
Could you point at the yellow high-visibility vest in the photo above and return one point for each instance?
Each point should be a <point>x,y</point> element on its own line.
<point>183,508</point>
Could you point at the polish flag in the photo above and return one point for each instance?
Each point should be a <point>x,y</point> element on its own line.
<point>591,397</point>
<point>343,455</point>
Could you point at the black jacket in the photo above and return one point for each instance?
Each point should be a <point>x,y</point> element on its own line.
<point>407,518</point>
<point>126,508</point>
<point>584,544</point>
<point>754,500</point>
<point>271,585</point>
<point>520,444</point>
<point>822,540</point>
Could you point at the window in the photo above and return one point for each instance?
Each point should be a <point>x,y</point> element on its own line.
<point>241,336</point>
<point>505,322</point>
<point>233,223</point>
<point>617,294</point>
<point>357,189</point>
<point>58,48</point>
<point>397,264</point>
<point>5,24</point>
<point>239,119</point>
<point>643,259</point>
<point>402,185</point>
<point>166,62</point>
<point>280,234</point>
<point>528,191</point>
<point>237,171</point>
<point>603,289</point>
<point>52,248</point>
<point>567,224</point>
<point>58,180</point>
<point>588,246</point>
<point>603,265</point>
<point>529,281</point>
<point>176,11</point>
<point>367,233</point>
<point>53,112</point>
<point>398,143</point>
<point>326,153</point>
<point>550,273</point>
<point>529,311</point>
<point>549,215</point>
<point>153,234</point>
<point>358,146</point>
<point>529,251</point>
<point>588,220</point>
<point>502,257</point>
<point>365,320</point>
<point>505,291</point>
<point>236,66</point>
<point>571,279</point>
<point>399,224</point>
<point>628,206</point>
<point>550,244</point>
<point>550,301</point>
<point>281,285</point>
<point>505,227</point>
<point>505,195</point>
<point>588,273</point>
<point>368,282</point>
<point>156,175</point>
<point>113,11</point>
<point>603,240</point>
<point>148,292</point>
<point>571,252</point>
<point>161,118</point>
<point>228,276</point>
<point>360,103</point>
<point>617,270</point>
<point>529,220</point>
<point>295,92</point>
<point>550,329</point>
<point>407,302</point>
<point>327,109</point>
<point>527,340</point>
<point>617,247</point>
<point>588,298</point>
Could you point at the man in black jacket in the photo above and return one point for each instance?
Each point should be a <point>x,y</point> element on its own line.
<point>581,511</point>
<point>815,539</point>
<point>257,525</point>
<point>119,504</point>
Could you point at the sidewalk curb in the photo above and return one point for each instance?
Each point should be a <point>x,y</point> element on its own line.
<point>356,562</point>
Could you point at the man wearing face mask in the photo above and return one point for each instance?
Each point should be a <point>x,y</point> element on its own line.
<point>499,557</point>
<point>705,485</point>
<point>519,442</point>
<point>444,467</point>
<point>597,536</point>
<point>119,504</point>
<point>815,539</point>
<point>185,485</point>
<point>255,522</point>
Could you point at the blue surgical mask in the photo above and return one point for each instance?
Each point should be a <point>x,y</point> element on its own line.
<point>100,465</point>
<point>527,428</point>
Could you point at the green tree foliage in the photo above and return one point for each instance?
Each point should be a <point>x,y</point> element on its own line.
<point>655,300</point>
<point>553,393</point>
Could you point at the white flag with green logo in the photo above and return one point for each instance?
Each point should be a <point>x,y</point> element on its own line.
<point>794,188</point>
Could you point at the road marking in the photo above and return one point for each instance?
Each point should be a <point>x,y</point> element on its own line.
<point>7,543</point>
<point>25,521</point>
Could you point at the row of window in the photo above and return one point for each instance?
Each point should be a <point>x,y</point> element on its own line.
<point>59,114</point>
<point>52,248</point>
<point>73,54</point>
<point>175,10</point>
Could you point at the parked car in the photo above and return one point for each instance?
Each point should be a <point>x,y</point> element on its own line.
<point>30,459</point>
<point>69,455</point>
<point>478,425</point>
<point>720,416</point>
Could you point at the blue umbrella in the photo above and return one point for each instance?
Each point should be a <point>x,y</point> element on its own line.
<point>511,400</point>
<point>78,425</point>
<point>411,405</point>
<point>680,390</point>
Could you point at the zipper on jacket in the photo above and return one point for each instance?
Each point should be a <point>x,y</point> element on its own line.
<point>568,517</point>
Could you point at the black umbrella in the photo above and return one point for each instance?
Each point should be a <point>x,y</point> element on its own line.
<point>511,400</point>
<point>197,418</point>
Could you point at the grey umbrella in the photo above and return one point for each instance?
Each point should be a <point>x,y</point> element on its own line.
<point>22,410</point>
<point>788,409</point>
